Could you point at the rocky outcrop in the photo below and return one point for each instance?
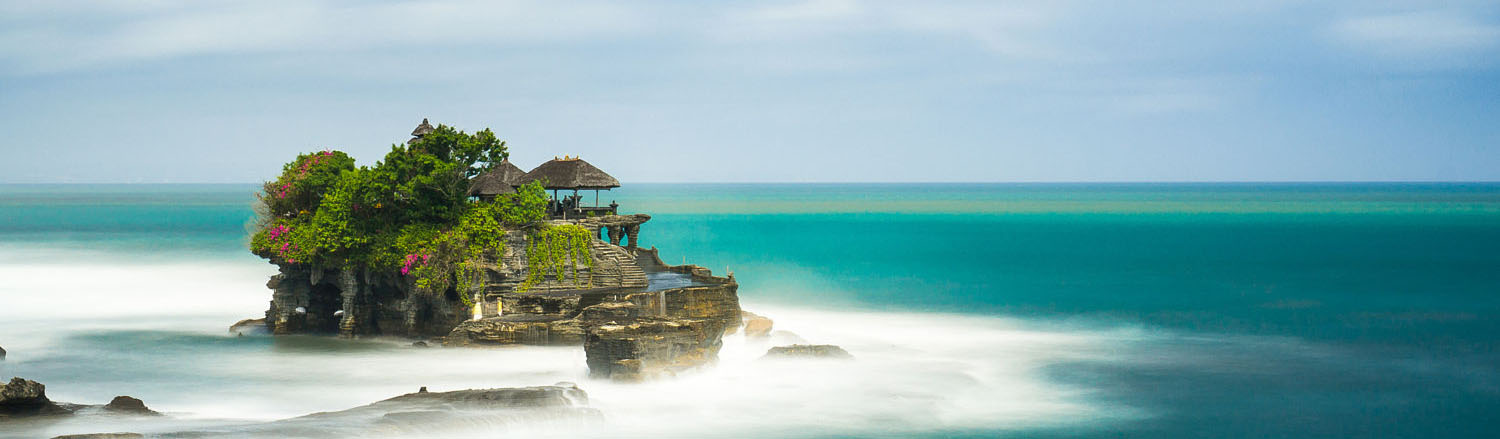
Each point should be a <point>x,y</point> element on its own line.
<point>561,317</point>
<point>426,414</point>
<point>651,347</point>
<point>629,328</point>
<point>249,327</point>
<point>23,397</point>
<point>626,334</point>
<point>756,326</point>
<point>129,405</point>
<point>716,298</point>
<point>420,414</point>
<point>620,230</point>
<point>610,268</point>
<point>20,391</point>
<point>809,351</point>
<point>101,436</point>
<point>2,353</point>
<point>354,302</point>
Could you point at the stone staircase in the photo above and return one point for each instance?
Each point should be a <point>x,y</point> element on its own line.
<point>619,267</point>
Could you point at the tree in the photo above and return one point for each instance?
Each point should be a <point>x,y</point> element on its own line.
<point>412,207</point>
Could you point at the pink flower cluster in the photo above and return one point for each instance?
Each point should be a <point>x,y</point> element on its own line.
<point>412,260</point>
<point>302,171</point>
<point>314,161</point>
<point>279,231</point>
<point>276,232</point>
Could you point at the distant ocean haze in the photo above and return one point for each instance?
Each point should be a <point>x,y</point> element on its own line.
<point>1148,310</point>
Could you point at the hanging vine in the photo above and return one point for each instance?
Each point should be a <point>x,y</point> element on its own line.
<point>455,257</point>
<point>556,252</point>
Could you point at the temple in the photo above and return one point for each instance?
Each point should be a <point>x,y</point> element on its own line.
<point>635,315</point>
<point>559,174</point>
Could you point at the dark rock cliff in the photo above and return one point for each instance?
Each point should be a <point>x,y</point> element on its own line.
<point>353,302</point>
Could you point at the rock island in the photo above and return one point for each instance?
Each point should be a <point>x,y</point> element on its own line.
<point>445,240</point>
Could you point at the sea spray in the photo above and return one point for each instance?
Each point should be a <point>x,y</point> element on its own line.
<point>166,343</point>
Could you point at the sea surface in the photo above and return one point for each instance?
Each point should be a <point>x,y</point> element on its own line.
<point>973,310</point>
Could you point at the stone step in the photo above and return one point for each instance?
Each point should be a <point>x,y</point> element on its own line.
<point>629,273</point>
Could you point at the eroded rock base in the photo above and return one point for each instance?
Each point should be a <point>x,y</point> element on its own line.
<point>646,348</point>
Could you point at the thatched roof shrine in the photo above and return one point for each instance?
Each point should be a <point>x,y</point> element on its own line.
<point>501,180</point>
<point>571,173</point>
<point>422,130</point>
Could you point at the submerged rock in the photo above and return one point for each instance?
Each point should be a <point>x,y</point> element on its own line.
<point>809,351</point>
<point>783,338</point>
<point>250,327</point>
<point>429,413</point>
<point>129,405</point>
<point>101,436</point>
<point>756,325</point>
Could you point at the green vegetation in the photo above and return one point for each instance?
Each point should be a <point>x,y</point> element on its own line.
<point>556,252</point>
<point>409,212</point>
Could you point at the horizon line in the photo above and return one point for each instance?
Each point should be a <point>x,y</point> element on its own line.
<point>144,183</point>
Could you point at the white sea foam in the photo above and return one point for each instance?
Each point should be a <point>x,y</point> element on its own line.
<point>157,331</point>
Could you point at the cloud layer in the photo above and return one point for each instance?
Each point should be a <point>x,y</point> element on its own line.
<point>835,90</point>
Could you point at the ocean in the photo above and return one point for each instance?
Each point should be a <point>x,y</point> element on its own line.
<point>973,310</point>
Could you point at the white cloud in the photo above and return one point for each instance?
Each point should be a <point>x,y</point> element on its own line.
<point>41,38</point>
<point>1012,29</point>
<point>806,10</point>
<point>1442,37</point>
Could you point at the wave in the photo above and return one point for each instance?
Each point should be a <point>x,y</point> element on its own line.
<point>157,331</point>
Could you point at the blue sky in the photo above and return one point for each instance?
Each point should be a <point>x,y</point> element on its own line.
<point>838,90</point>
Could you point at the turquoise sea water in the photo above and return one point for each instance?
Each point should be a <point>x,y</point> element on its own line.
<point>1217,310</point>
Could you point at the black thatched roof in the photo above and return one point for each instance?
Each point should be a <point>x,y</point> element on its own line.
<point>489,185</point>
<point>422,129</point>
<point>571,173</point>
<point>498,181</point>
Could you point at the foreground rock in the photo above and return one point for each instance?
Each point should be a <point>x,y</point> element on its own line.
<point>424,414</point>
<point>23,397</point>
<point>809,351</point>
<point>21,392</point>
<point>420,414</point>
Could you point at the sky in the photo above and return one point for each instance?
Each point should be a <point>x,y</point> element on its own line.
<point>780,91</point>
